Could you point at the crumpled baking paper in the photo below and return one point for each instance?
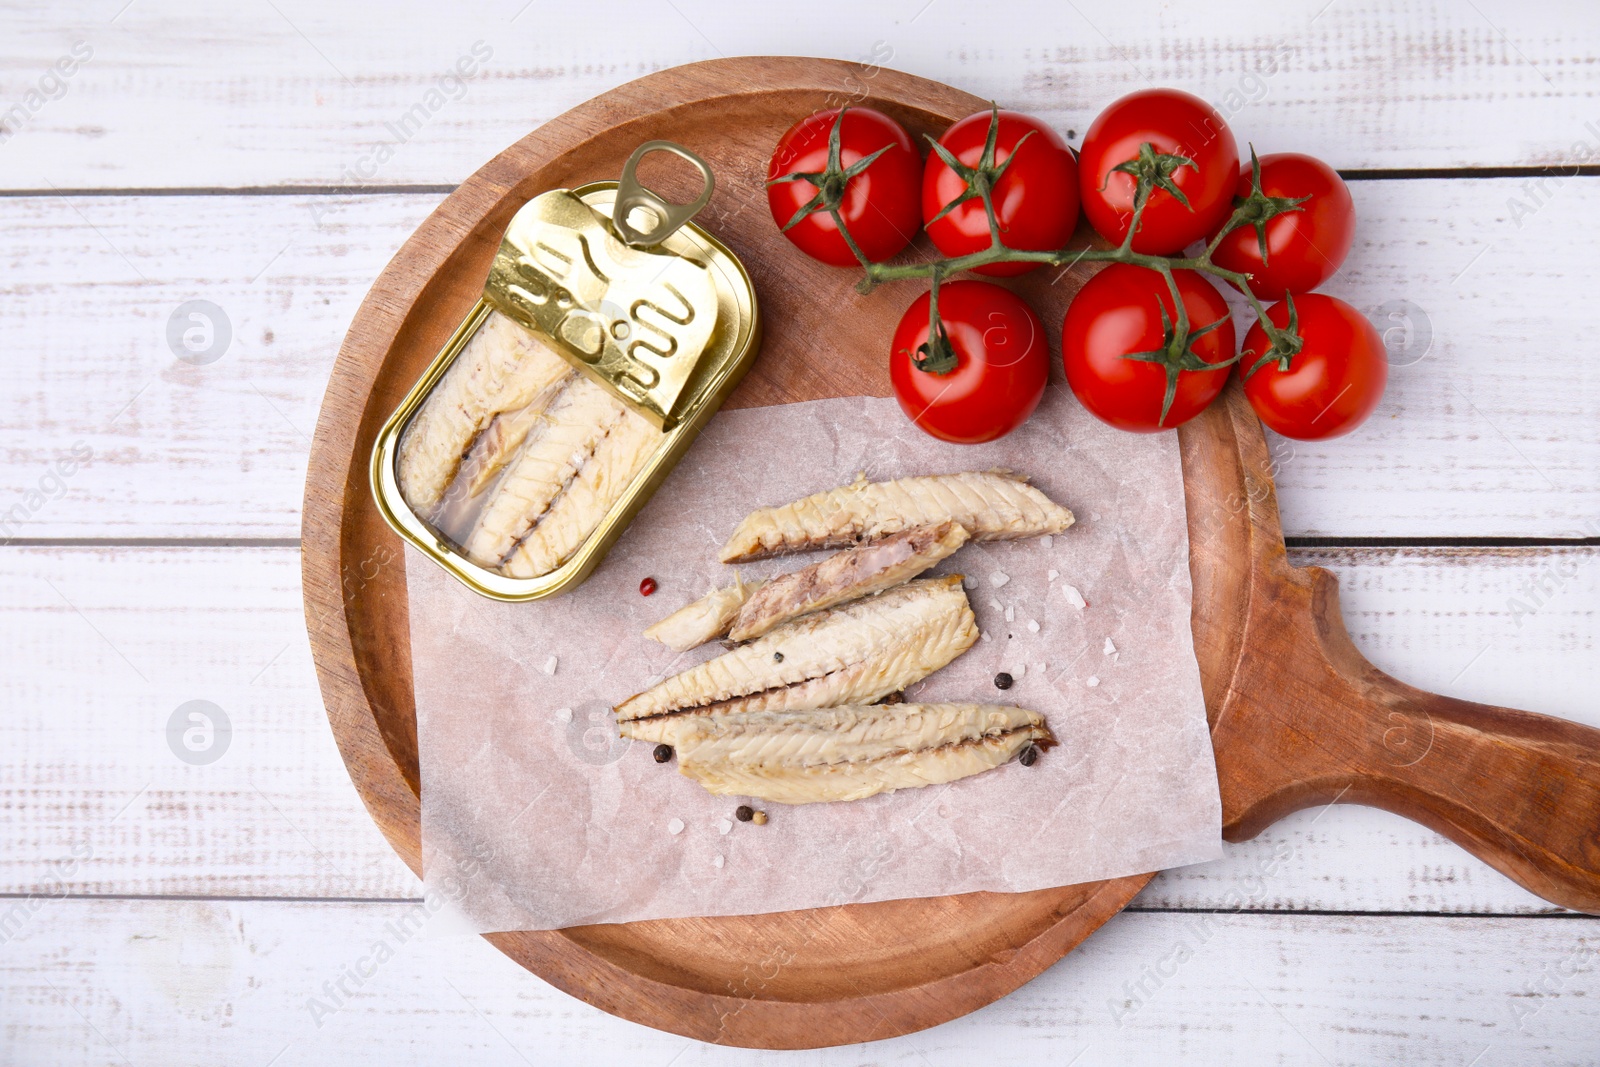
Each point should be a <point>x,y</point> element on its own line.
<point>536,816</point>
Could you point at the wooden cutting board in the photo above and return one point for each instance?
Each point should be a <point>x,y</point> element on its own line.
<point>1297,716</point>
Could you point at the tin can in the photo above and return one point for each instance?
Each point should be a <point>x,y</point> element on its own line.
<point>640,301</point>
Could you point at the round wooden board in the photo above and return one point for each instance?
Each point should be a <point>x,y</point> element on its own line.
<point>863,971</point>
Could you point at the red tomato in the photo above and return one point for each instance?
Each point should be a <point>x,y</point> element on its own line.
<point>1174,123</point>
<point>878,205</point>
<point>1035,200</point>
<point>1119,313</point>
<point>1304,247</point>
<point>1002,363</point>
<point>1332,383</point>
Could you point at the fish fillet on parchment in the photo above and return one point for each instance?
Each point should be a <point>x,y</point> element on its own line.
<point>991,505</point>
<point>575,463</point>
<point>485,403</point>
<point>847,753</point>
<point>852,654</point>
<point>855,572</point>
<point>705,619</point>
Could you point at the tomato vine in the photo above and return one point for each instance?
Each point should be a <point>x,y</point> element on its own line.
<point>1151,169</point>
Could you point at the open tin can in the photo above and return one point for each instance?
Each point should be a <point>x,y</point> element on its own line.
<point>516,472</point>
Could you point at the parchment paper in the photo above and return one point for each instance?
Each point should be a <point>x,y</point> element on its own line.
<point>534,816</point>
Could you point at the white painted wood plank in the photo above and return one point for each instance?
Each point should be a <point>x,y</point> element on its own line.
<point>1494,431</point>
<point>115,982</point>
<point>1474,284</point>
<point>193,94</point>
<point>104,646</point>
<point>85,762</point>
<point>179,449</point>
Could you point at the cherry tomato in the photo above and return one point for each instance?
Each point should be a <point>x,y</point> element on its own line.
<point>1035,200</point>
<point>1117,313</point>
<point>878,205</point>
<point>1332,383</point>
<point>1304,247</point>
<point>1174,123</point>
<point>1002,363</point>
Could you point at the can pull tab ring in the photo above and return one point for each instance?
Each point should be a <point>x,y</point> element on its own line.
<point>637,206</point>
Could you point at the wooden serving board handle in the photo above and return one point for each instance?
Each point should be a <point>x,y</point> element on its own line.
<point>1519,791</point>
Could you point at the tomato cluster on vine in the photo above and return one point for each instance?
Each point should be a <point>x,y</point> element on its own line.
<point>1148,342</point>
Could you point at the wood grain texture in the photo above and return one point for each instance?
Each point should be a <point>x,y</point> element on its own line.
<point>1479,437</point>
<point>165,982</point>
<point>192,94</point>
<point>224,624</point>
<point>1269,638</point>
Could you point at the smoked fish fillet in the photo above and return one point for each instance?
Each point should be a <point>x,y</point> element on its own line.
<point>847,753</point>
<point>991,505</point>
<point>855,572</point>
<point>703,620</point>
<point>855,653</point>
<point>600,482</point>
<point>556,485</point>
<point>503,377</point>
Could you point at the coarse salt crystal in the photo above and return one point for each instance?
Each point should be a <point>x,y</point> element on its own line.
<point>999,578</point>
<point>550,665</point>
<point>996,605</point>
<point>725,826</point>
<point>1094,516</point>
<point>968,582</point>
<point>1052,574</point>
<point>1011,615</point>
<point>1033,626</point>
<point>983,634</point>
<point>1093,681</point>
<point>1047,540</point>
<point>1040,668</point>
<point>563,715</point>
<point>1110,649</point>
<point>717,860</point>
<point>1074,597</point>
<point>1019,672</point>
<point>675,826</point>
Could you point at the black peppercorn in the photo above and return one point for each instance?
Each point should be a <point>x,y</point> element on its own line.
<point>1002,680</point>
<point>777,657</point>
<point>663,753</point>
<point>744,813</point>
<point>1029,757</point>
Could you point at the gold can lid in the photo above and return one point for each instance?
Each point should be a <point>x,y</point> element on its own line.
<point>632,314</point>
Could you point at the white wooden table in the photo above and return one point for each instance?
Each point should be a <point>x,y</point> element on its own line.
<point>158,912</point>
